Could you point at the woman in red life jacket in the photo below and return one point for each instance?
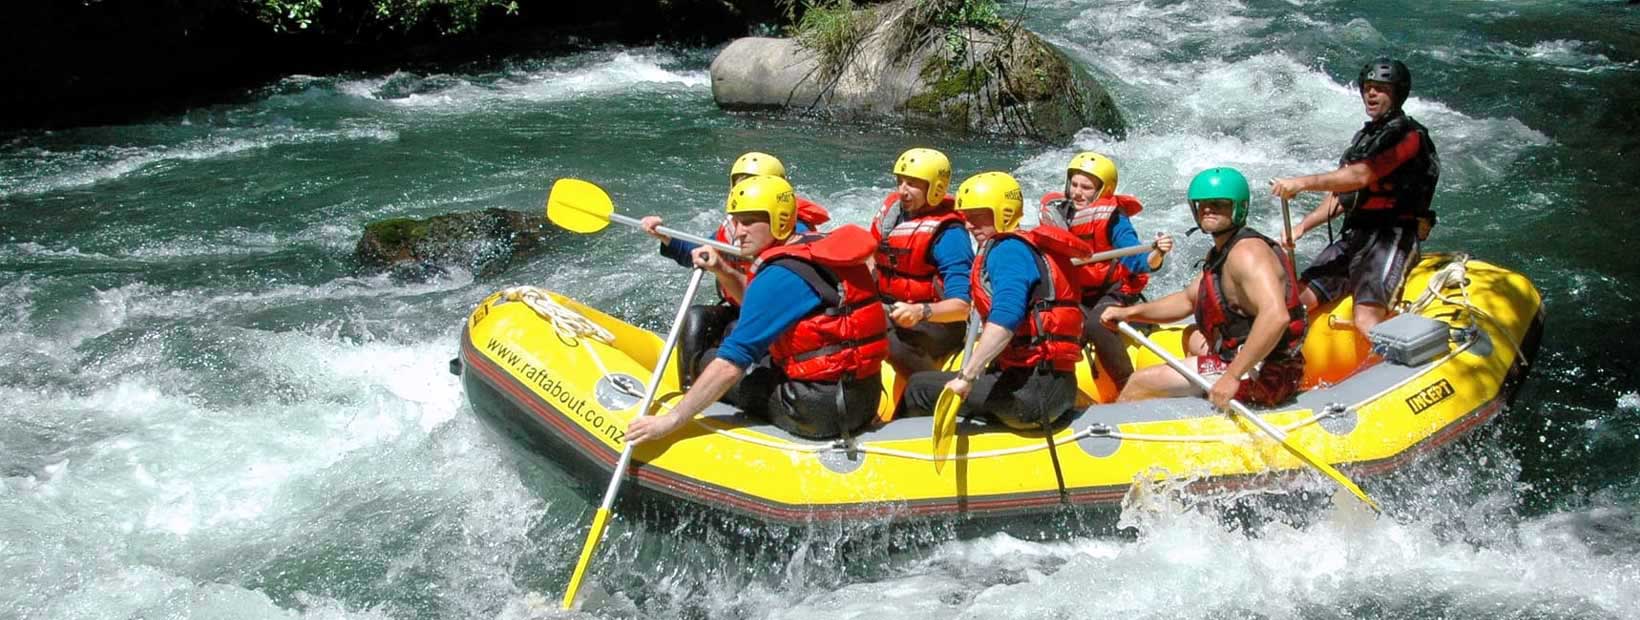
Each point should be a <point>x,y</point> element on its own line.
<point>923,260</point>
<point>705,326</point>
<point>807,353</point>
<point>1091,209</point>
<point>1249,330</point>
<point>1032,329</point>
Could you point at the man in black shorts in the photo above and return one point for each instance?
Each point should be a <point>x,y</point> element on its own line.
<point>1383,186</point>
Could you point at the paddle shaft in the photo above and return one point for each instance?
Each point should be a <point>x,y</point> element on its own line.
<point>968,338</point>
<point>1199,380</point>
<point>1287,221</point>
<point>1113,254</point>
<point>596,533</point>
<point>945,409</point>
<point>1247,414</point>
<point>677,234</point>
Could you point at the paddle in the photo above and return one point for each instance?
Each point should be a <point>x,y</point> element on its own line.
<point>945,409</point>
<point>599,519</point>
<point>579,206</point>
<point>1287,221</point>
<point>1114,254</point>
<point>1248,415</point>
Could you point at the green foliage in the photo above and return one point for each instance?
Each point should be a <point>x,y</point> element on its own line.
<point>981,14</point>
<point>832,28</point>
<point>286,15</point>
<point>448,16</point>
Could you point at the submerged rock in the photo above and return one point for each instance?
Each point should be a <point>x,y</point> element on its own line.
<point>993,77</point>
<point>485,242</point>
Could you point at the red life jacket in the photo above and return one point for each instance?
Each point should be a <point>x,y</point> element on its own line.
<point>1052,333</point>
<point>1405,193</point>
<point>848,335</point>
<point>1225,326</point>
<point>808,212</point>
<point>1093,224</point>
<point>905,262</point>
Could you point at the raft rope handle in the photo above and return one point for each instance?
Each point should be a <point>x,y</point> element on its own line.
<point>1085,433</point>
<point>567,323</point>
<point>572,325</point>
<point>1455,275</point>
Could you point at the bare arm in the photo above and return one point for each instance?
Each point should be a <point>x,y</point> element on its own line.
<point>731,281</point>
<point>951,310</point>
<point>1171,308</point>
<point>1328,210</point>
<point>992,340</point>
<point>712,384</point>
<point>1346,178</point>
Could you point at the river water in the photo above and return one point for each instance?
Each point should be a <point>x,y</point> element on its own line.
<point>208,413</point>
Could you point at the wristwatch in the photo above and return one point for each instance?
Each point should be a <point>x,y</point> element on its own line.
<point>965,378</point>
<point>928,311</point>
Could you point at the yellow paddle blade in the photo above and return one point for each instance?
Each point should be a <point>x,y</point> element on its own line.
<point>945,426</point>
<point>593,536</point>
<point>1331,472</point>
<point>579,206</point>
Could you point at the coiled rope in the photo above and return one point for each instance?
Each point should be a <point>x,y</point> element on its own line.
<point>1455,274</point>
<point>570,325</point>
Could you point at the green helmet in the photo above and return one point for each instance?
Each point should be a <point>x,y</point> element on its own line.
<point>1227,183</point>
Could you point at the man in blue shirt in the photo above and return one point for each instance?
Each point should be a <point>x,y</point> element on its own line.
<point>705,326</point>
<point>808,351</point>
<point>1033,325</point>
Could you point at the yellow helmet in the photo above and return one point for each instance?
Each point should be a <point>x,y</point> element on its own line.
<point>757,163</point>
<point>1099,167</point>
<point>997,192</point>
<point>766,194</point>
<point>929,165</point>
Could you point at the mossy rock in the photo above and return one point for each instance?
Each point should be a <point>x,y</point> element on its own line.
<point>485,242</point>
<point>1001,79</point>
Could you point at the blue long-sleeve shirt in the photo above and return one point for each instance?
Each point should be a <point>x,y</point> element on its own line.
<point>1010,266</point>
<point>1122,235</point>
<point>775,300</point>
<point>953,255</point>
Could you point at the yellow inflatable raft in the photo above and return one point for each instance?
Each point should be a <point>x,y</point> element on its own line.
<point>559,381</point>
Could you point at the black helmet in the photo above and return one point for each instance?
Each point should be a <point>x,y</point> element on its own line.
<point>1385,69</point>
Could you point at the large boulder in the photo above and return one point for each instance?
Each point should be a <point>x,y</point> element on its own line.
<point>1000,78</point>
<point>484,242</point>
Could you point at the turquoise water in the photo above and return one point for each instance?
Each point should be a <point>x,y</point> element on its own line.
<point>209,413</point>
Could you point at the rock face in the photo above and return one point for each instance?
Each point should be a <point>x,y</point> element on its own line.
<point>1004,80</point>
<point>485,242</point>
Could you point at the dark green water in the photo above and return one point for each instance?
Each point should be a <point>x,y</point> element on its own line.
<point>207,413</point>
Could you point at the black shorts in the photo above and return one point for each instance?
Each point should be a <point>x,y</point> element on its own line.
<point>1020,398</point>
<point>923,346</point>
<point>1369,263</point>
<point>808,409</point>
